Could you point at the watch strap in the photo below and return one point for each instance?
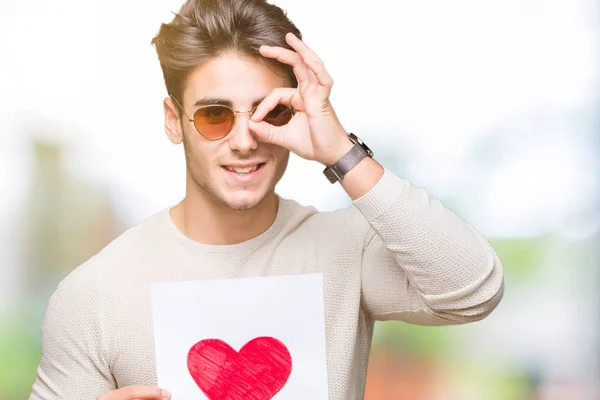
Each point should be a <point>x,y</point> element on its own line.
<point>337,171</point>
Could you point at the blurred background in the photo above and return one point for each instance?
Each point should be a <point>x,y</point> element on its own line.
<point>492,106</point>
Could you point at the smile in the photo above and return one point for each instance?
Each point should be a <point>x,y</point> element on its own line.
<point>244,173</point>
<point>243,170</point>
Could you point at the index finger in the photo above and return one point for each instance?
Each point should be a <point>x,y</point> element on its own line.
<point>310,59</point>
<point>302,48</point>
<point>288,57</point>
<point>278,95</point>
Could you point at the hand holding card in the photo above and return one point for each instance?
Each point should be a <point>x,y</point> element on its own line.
<point>136,392</point>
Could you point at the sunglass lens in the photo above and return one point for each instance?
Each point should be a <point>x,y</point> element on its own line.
<point>279,116</point>
<point>214,122</point>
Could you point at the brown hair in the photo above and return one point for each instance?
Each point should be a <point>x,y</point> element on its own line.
<point>205,29</point>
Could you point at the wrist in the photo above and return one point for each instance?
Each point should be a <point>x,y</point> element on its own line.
<point>351,158</point>
<point>338,151</point>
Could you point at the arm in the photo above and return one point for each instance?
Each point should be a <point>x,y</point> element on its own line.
<point>73,363</point>
<point>422,263</point>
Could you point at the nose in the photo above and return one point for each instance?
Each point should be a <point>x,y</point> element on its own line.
<point>241,138</point>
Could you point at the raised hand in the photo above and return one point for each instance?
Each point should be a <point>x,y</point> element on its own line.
<point>314,133</point>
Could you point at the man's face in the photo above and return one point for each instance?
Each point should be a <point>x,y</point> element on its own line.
<point>212,164</point>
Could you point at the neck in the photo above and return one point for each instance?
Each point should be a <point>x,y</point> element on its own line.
<point>206,220</point>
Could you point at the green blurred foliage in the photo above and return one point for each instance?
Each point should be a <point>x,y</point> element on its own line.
<point>413,340</point>
<point>521,258</point>
<point>476,382</point>
<point>20,349</point>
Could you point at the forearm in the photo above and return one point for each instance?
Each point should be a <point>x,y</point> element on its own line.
<point>448,264</point>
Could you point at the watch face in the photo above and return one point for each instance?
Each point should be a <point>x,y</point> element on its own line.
<point>356,139</point>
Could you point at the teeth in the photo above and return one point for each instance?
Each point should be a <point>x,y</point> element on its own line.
<point>246,170</point>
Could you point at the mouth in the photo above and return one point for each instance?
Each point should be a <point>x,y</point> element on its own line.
<point>244,172</point>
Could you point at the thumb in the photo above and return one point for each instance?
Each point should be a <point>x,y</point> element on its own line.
<point>266,132</point>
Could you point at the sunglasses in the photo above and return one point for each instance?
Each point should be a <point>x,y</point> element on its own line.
<point>215,121</point>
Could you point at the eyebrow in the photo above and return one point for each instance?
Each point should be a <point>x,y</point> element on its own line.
<point>205,101</point>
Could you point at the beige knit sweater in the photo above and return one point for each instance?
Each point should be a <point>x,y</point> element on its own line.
<point>395,254</point>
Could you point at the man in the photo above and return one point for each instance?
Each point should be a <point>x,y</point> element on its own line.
<point>244,91</point>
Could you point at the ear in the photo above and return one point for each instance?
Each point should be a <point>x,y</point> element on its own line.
<point>172,122</point>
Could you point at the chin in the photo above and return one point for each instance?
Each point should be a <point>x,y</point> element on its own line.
<point>243,201</point>
<point>249,195</point>
<point>236,192</point>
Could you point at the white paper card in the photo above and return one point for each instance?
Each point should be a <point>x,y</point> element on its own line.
<point>201,328</point>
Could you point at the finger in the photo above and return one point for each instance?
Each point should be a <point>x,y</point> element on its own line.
<point>277,96</point>
<point>135,392</point>
<point>267,133</point>
<point>310,59</point>
<point>288,57</point>
<point>145,393</point>
<point>312,78</point>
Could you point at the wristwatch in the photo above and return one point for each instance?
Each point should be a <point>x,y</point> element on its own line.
<point>359,151</point>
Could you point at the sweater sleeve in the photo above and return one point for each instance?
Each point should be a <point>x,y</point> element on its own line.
<point>72,364</point>
<point>423,264</point>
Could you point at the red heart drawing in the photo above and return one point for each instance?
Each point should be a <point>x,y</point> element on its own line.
<point>257,372</point>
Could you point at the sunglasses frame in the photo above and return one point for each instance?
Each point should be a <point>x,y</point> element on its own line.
<point>221,105</point>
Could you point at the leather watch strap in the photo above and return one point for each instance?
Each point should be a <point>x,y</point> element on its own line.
<point>337,171</point>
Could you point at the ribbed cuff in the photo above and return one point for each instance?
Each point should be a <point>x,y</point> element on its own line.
<point>381,197</point>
